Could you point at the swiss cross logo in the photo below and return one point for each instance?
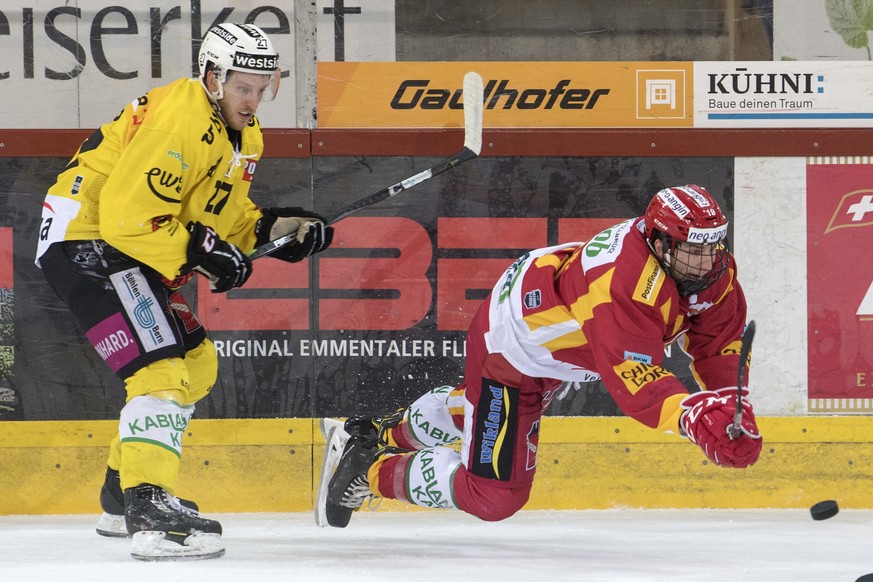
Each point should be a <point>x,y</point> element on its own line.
<point>839,218</point>
<point>854,209</point>
<point>251,165</point>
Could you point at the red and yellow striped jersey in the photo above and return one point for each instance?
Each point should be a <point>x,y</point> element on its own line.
<point>605,309</point>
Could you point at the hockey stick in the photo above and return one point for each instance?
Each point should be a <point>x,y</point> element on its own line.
<point>735,429</point>
<point>473,98</point>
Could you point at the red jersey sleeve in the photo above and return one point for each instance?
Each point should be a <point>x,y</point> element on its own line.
<point>715,333</point>
<point>628,334</point>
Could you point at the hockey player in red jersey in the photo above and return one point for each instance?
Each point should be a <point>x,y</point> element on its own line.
<point>152,197</point>
<point>605,309</point>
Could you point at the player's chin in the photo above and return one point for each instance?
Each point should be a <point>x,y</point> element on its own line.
<point>240,120</point>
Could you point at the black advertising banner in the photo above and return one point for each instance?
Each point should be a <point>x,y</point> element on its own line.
<point>369,324</point>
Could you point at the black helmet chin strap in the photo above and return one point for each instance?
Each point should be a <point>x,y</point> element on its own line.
<point>687,286</point>
<point>666,248</point>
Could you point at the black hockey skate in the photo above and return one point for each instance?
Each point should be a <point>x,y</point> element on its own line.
<point>163,529</point>
<point>349,488</point>
<point>350,450</point>
<point>371,427</point>
<point>111,524</point>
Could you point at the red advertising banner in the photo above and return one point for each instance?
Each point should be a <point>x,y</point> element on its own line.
<point>401,273</point>
<point>840,285</point>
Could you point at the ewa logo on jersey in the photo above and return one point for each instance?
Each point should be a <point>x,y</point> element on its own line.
<point>162,183</point>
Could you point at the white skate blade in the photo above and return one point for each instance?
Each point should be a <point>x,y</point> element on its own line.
<point>335,436</point>
<point>112,526</point>
<point>326,424</point>
<point>150,546</point>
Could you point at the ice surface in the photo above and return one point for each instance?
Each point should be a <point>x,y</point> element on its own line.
<point>532,546</point>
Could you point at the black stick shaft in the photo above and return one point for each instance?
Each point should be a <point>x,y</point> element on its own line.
<point>383,194</point>
<point>473,105</point>
<point>735,428</point>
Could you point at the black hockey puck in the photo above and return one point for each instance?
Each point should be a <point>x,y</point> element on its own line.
<point>865,578</point>
<point>824,509</point>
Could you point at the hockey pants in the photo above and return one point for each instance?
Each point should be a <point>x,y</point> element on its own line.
<point>493,418</point>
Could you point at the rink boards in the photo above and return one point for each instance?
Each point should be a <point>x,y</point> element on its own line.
<point>270,465</point>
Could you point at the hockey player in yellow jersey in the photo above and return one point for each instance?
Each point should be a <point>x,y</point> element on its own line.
<point>155,195</point>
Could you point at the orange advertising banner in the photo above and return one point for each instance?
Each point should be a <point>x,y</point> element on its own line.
<point>517,94</point>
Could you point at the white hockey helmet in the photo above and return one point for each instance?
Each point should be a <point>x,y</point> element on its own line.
<point>239,47</point>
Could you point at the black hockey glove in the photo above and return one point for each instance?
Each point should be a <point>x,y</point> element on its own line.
<point>221,262</point>
<point>313,233</point>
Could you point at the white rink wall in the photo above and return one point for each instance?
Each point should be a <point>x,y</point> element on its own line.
<point>770,245</point>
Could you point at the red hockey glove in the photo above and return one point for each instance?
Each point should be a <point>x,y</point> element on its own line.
<point>313,234</point>
<point>221,262</point>
<point>705,422</point>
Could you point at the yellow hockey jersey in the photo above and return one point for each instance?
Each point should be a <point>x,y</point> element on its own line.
<point>163,162</point>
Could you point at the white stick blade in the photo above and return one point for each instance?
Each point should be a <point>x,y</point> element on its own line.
<point>473,98</point>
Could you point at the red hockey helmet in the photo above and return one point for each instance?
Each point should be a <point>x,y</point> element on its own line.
<point>692,231</point>
<point>686,213</point>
